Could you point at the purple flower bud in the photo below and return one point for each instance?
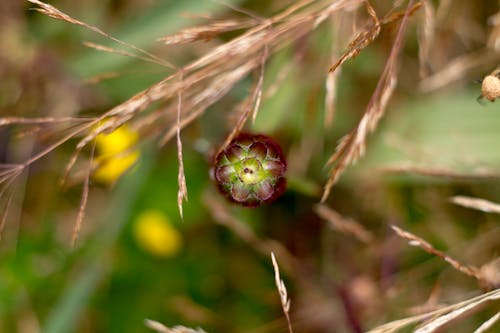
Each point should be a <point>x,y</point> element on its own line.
<point>250,171</point>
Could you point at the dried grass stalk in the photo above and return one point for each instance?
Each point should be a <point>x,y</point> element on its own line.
<point>458,68</point>
<point>448,313</point>
<point>220,86</point>
<point>3,218</point>
<point>6,121</point>
<point>437,323</point>
<point>426,37</point>
<point>494,37</point>
<point>83,200</point>
<point>476,203</point>
<point>249,106</point>
<point>332,78</point>
<point>285,301</point>
<point>367,36</point>
<point>206,79</point>
<point>488,323</point>
<point>440,172</point>
<point>427,247</point>
<point>108,49</point>
<point>206,32</point>
<point>182,193</point>
<point>331,83</point>
<point>160,328</point>
<point>59,15</point>
<point>352,146</point>
<point>362,39</point>
<point>343,224</point>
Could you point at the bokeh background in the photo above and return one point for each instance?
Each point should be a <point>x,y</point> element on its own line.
<point>136,259</point>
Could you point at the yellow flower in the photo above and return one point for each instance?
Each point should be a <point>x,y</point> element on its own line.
<point>117,141</point>
<point>113,168</point>
<point>114,154</point>
<point>155,234</point>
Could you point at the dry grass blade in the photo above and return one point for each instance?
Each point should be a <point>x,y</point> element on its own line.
<point>476,203</point>
<point>285,301</point>
<point>279,80</point>
<point>249,106</point>
<point>204,81</point>
<point>83,200</point>
<point>362,40</point>
<point>435,324</point>
<point>440,172</point>
<point>494,37</point>
<point>160,328</point>
<point>10,173</point>
<point>7,188</point>
<point>256,38</point>
<point>393,17</point>
<point>211,76</point>
<point>184,122</point>
<point>58,143</point>
<point>43,120</point>
<point>352,145</point>
<point>102,77</point>
<point>426,37</point>
<point>331,97</point>
<point>471,304</point>
<point>5,213</point>
<point>426,246</point>
<point>241,10</point>
<point>156,326</point>
<point>219,86</point>
<point>332,78</point>
<point>59,15</point>
<point>206,32</point>
<point>343,224</point>
<point>70,165</point>
<point>367,36</point>
<point>108,49</point>
<point>258,90</point>
<point>182,193</point>
<point>488,324</point>
<point>457,68</point>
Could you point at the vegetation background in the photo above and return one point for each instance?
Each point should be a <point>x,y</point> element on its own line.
<point>435,150</point>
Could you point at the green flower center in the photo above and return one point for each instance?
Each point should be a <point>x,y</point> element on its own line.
<point>250,171</point>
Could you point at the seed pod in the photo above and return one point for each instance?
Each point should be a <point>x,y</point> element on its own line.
<point>490,87</point>
<point>250,171</point>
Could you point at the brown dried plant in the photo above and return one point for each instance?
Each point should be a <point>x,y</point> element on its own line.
<point>186,93</point>
<point>160,328</point>
<point>285,301</point>
<point>435,72</point>
<point>352,146</point>
<point>469,270</point>
<point>342,224</point>
<point>435,320</point>
<point>476,203</point>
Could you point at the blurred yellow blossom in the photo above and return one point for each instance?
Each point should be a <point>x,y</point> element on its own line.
<point>114,154</point>
<point>155,234</point>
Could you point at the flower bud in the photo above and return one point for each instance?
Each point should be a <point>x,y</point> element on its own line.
<point>250,171</point>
